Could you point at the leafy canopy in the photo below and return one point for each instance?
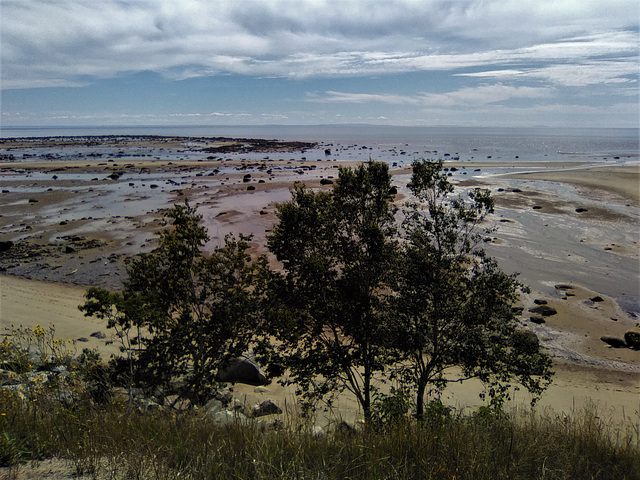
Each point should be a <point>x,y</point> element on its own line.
<point>189,313</point>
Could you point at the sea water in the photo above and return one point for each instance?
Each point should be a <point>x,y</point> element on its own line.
<point>402,144</point>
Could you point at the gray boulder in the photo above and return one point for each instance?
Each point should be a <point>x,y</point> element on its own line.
<point>241,370</point>
<point>266,408</point>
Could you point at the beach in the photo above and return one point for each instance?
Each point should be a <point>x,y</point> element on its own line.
<point>569,228</point>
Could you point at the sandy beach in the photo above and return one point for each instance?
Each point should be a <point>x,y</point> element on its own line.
<point>69,225</point>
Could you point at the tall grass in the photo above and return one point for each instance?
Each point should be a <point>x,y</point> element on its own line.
<point>116,441</point>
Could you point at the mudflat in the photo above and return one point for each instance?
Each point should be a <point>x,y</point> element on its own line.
<point>73,210</point>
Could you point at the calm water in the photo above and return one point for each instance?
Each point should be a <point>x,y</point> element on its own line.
<point>385,142</point>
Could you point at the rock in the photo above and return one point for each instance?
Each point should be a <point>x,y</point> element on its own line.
<point>266,408</point>
<point>544,310</point>
<point>214,406</point>
<point>260,390</point>
<point>33,200</point>
<point>393,191</point>
<point>241,370</point>
<point>539,301</point>
<point>517,310</point>
<point>98,335</point>
<point>326,181</point>
<point>250,188</point>
<point>632,338</point>
<point>615,342</point>
<point>526,339</point>
<point>597,299</point>
<point>69,249</point>
<point>83,339</point>
<point>227,416</point>
<point>581,210</point>
<point>537,320</point>
<point>4,246</point>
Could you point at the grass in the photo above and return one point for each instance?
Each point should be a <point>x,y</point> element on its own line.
<point>117,441</point>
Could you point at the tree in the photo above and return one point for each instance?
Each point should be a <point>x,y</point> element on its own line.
<point>338,250</point>
<point>453,302</point>
<point>198,311</point>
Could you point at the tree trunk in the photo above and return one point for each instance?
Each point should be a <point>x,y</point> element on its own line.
<point>422,385</point>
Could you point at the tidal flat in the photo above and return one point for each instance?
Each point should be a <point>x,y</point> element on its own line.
<point>73,208</point>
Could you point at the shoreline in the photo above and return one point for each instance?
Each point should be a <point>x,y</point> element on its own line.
<point>72,224</point>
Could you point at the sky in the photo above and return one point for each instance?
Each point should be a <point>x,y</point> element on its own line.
<point>569,63</point>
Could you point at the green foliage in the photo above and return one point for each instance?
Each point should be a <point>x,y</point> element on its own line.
<point>361,298</point>
<point>182,314</point>
<point>390,409</point>
<point>330,310</point>
<point>454,302</point>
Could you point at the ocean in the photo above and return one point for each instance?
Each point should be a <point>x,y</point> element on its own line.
<point>391,142</point>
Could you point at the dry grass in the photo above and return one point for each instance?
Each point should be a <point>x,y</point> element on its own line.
<point>115,441</point>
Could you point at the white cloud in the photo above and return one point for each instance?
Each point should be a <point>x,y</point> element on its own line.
<point>466,97</point>
<point>55,43</point>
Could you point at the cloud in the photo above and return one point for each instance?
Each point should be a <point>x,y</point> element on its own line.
<point>465,97</point>
<point>68,42</point>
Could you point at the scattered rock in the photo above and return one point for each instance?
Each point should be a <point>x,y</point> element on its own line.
<point>544,310</point>
<point>266,408</point>
<point>632,338</point>
<point>615,342</point>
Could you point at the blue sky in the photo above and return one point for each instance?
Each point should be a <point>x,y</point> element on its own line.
<point>399,62</point>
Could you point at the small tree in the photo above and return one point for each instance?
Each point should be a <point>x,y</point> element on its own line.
<point>198,310</point>
<point>454,302</point>
<point>338,252</point>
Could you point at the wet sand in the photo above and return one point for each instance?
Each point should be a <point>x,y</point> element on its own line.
<point>564,223</point>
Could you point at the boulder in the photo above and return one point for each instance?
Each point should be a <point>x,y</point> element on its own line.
<point>537,320</point>
<point>539,301</point>
<point>6,245</point>
<point>266,408</point>
<point>544,310</point>
<point>241,370</point>
<point>615,342</point>
<point>526,339</point>
<point>632,338</point>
